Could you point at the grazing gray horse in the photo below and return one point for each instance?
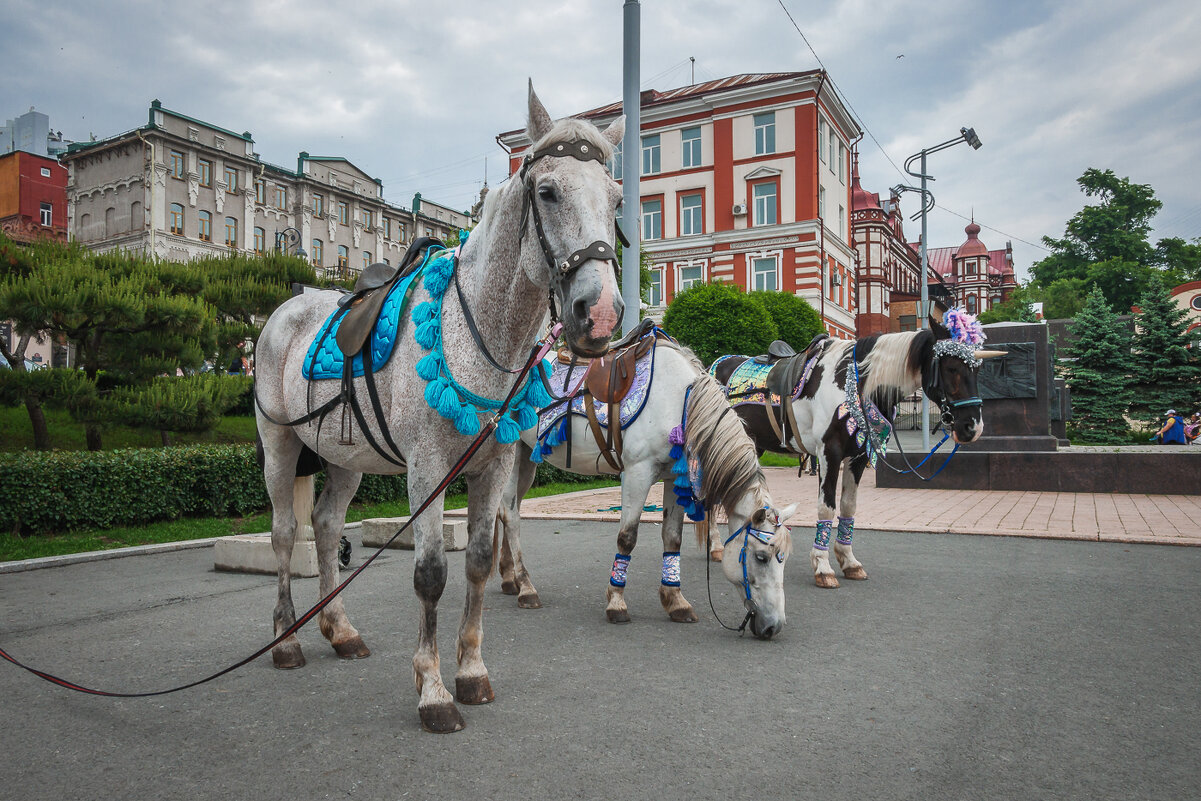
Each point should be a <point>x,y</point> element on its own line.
<point>547,233</point>
<point>680,390</point>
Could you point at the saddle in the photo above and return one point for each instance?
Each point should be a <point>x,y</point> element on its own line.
<point>608,380</point>
<point>370,290</point>
<point>782,381</point>
<point>776,351</point>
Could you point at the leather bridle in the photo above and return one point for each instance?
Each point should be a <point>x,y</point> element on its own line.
<point>599,250</point>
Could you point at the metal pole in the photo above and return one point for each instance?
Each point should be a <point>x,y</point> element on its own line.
<point>923,312</point>
<point>630,167</point>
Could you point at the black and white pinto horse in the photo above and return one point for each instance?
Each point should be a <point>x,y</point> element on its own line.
<point>548,232</point>
<point>836,425</point>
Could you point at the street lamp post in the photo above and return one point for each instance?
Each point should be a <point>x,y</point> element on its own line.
<point>288,241</point>
<point>967,135</point>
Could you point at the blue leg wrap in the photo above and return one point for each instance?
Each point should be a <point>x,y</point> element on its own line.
<point>822,540</point>
<point>621,563</point>
<point>846,530</point>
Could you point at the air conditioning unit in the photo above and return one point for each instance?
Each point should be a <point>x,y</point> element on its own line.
<point>739,209</point>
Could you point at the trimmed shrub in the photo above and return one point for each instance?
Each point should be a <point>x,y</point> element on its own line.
<point>717,319</point>
<point>797,323</point>
<point>46,492</point>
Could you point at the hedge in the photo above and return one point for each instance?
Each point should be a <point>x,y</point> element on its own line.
<point>43,492</point>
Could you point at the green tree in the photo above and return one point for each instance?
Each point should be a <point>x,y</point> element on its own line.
<point>1166,376</point>
<point>1018,307</point>
<point>797,323</point>
<point>1064,298</point>
<point>716,319</point>
<point>1180,260</point>
<point>1099,372</point>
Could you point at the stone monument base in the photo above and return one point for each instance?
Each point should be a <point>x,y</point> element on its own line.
<point>252,553</point>
<point>377,530</point>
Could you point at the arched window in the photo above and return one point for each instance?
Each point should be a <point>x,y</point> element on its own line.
<point>971,304</point>
<point>206,226</point>
<point>177,219</point>
<point>110,221</point>
<point>260,240</point>
<point>137,219</point>
<point>231,232</point>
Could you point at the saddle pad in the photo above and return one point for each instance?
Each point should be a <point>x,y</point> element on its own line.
<point>748,382</point>
<point>325,359</point>
<point>631,404</point>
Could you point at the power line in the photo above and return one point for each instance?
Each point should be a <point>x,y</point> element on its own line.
<point>996,230</point>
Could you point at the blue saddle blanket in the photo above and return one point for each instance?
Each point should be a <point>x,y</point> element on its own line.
<point>325,359</point>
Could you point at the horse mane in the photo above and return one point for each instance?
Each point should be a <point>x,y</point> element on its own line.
<point>892,366</point>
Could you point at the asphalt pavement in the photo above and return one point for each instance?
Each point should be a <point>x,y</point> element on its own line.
<point>965,668</point>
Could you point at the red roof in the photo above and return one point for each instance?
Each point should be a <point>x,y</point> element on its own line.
<point>941,259</point>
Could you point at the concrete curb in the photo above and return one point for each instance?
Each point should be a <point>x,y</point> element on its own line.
<point>21,565</point>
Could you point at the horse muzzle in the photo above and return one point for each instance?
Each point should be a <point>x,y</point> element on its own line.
<point>593,309</point>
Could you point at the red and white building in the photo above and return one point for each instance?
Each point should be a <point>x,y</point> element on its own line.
<point>978,278</point>
<point>747,180</point>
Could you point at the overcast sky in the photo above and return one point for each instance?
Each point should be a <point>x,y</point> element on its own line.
<point>414,93</point>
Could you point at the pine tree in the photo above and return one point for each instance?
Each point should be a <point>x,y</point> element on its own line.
<point>1166,376</point>
<point>1099,374</point>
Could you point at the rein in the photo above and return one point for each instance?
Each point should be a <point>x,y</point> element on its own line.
<point>540,349</point>
<point>764,537</point>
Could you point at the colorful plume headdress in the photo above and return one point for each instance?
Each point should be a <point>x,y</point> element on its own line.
<point>964,327</point>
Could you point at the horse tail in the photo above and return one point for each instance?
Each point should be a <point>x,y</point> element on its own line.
<point>303,497</point>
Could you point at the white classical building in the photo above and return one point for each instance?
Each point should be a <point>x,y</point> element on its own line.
<point>178,187</point>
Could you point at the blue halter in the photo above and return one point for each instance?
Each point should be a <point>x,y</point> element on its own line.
<point>764,537</point>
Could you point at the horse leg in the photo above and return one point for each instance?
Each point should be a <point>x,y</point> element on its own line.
<point>329,517</point>
<point>515,579</point>
<point>673,600</point>
<point>435,706</point>
<point>636,481</point>
<point>485,491</point>
<point>281,449</point>
<point>852,472</point>
<point>819,557</point>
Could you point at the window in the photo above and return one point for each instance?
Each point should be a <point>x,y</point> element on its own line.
<point>343,212</point>
<point>318,252</point>
<point>47,214</point>
<point>280,197</point>
<point>690,144</point>
<point>821,137</point>
<point>650,155</point>
<point>206,173</point>
<point>908,322</point>
<point>655,294</point>
<point>842,162</point>
<point>691,274</point>
<point>177,219</point>
<point>176,159</point>
<point>764,274</point>
<point>366,259</point>
<point>260,240</point>
<point>765,203</point>
<point>206,226</point>
<point>833,149</point>
<point>652,219</point>
<point>691,215</point>
<point>842,221</point>
<point>231,179</point>
<point>343,257</point>
<point>615,163</point>
<point>821,202</point>
<point>231,232</point>
<point>45,172</point>
<point>765,133</point>
<point>260,192</point>
<point>971,304</point>
<point>402,232</point>
<point>318,205</point>
<point>387,228</point>
<point>365,218</point>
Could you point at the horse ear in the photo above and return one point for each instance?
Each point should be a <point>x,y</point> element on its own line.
<point>759,516</point>
<point>615,131</point>
<point>940,330</point>
<point>787,512</point>
<point>540,122</point>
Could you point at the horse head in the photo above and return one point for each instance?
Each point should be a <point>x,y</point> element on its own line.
<point>570,204</point>
<point>950,366</point>
<point>763,543</point>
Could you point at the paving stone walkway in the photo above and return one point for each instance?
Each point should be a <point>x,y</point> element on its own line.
<point>1162,519</point>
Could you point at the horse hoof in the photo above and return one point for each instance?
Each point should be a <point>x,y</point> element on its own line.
<point>473,690</point>
<point>715,556</point>
<point>685,615</point>
<point>509,587</point>
<point>826,581</point>
<point>354,648</point>
<point>441,719</point>
<point>529,601</point>
<point>287,657</point>
<point>617,615</point>
<point>856,573</point>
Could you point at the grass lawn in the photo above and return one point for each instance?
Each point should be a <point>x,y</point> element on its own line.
<point>769,459</point>
<point>14,547</point>
<point>16,434</point>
